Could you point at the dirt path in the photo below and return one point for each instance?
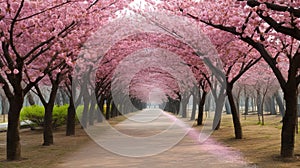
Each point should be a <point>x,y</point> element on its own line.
<point>150,139</point>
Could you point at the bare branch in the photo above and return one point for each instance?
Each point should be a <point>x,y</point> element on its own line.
<point>43,11</point>
<point>293,32</point>
<point>5,48</point>
<point>40,94</point>
<point>275,7</point>
<point>11,30</point>
<point>6,88</point>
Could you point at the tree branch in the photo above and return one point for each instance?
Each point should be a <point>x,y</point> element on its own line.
<point>6,88</point>
<point>275,7</point>
<point>247,67</point>
<point>37,47</point>
<point>11,30</point>
<point>43,11</point>
<point>293,32</point>
<point>46,42</point>
<point>95,1</point>
<point>37,55</point>
<point>40,94</point>
<point>258,46</point>
<point>5,48</point>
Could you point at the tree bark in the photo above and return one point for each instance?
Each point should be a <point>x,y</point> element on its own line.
<point>92,110</point>
<point>227,106</point>
<point>99,112</point>
<point>48,124</point>
<point>107,110</point>
<point>86,103</point>
<point>201,108</point>
<point>237,101</point>
<point>184,108</point>
<point>114,109</point>
<point>246,105</point>
<point>193,115</point>
<point>218,111</point>
<point>48,127</point>
<point>207,104</point>
<point>258,105</point>
<point>71,117</point>
<point>4,107</point>
<point>289,120</point>
<point>177,106</point>
<point>234,113</point>
<point>13,146</point>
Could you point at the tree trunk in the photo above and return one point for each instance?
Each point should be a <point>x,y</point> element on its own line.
<point>184,107</point>
<point>114,109</point>
<point>48,127</point>
<point>48,124</point>
<point>227,106</point>
<point>258,105</point>
<point>207,104</point>
<point>177,102</point>
<point>64,97</point>
<point>92,110</point>
<point>272,106</point>
<point>234,113</point>
<point>4,107</point>
<point>58,100</point>
<point>84,117</point>
<point>107,110</point>
<point>218,111</point>
<point>71,117</point>
<point>253,104</point>
<point>279,103</point>
<point>13,146</point>
<point>30,99</point>
<point>246,105</point>
<point>298,106</point>
<point>289,121</point>
<point>193,115</point>
<point>201,108</point>
<point>237,102</point>
<point>99,111</point>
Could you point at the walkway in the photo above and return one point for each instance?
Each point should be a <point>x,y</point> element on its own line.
<point>152,139</point>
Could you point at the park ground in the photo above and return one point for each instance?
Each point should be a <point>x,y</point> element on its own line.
<point>260,146</point>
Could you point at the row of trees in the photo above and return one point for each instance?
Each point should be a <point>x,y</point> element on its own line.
<point>40,41</point>
<point>167,59</point>
<point>269,27</point>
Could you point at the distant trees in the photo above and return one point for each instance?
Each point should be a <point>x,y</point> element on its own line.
<point>40,43</point>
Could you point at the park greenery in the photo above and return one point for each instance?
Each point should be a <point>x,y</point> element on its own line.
<point>35,115</point>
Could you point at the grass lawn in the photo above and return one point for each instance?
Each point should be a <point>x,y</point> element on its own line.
<point>260,144</point>
<point>36,156</point>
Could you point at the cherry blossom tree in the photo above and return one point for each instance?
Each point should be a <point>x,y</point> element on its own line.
<point>263,83</point>
<point>272,28</point>
<point>54,79</point>
<point>27,37</point>
<point>33,35</point>
<point>141,86</point>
